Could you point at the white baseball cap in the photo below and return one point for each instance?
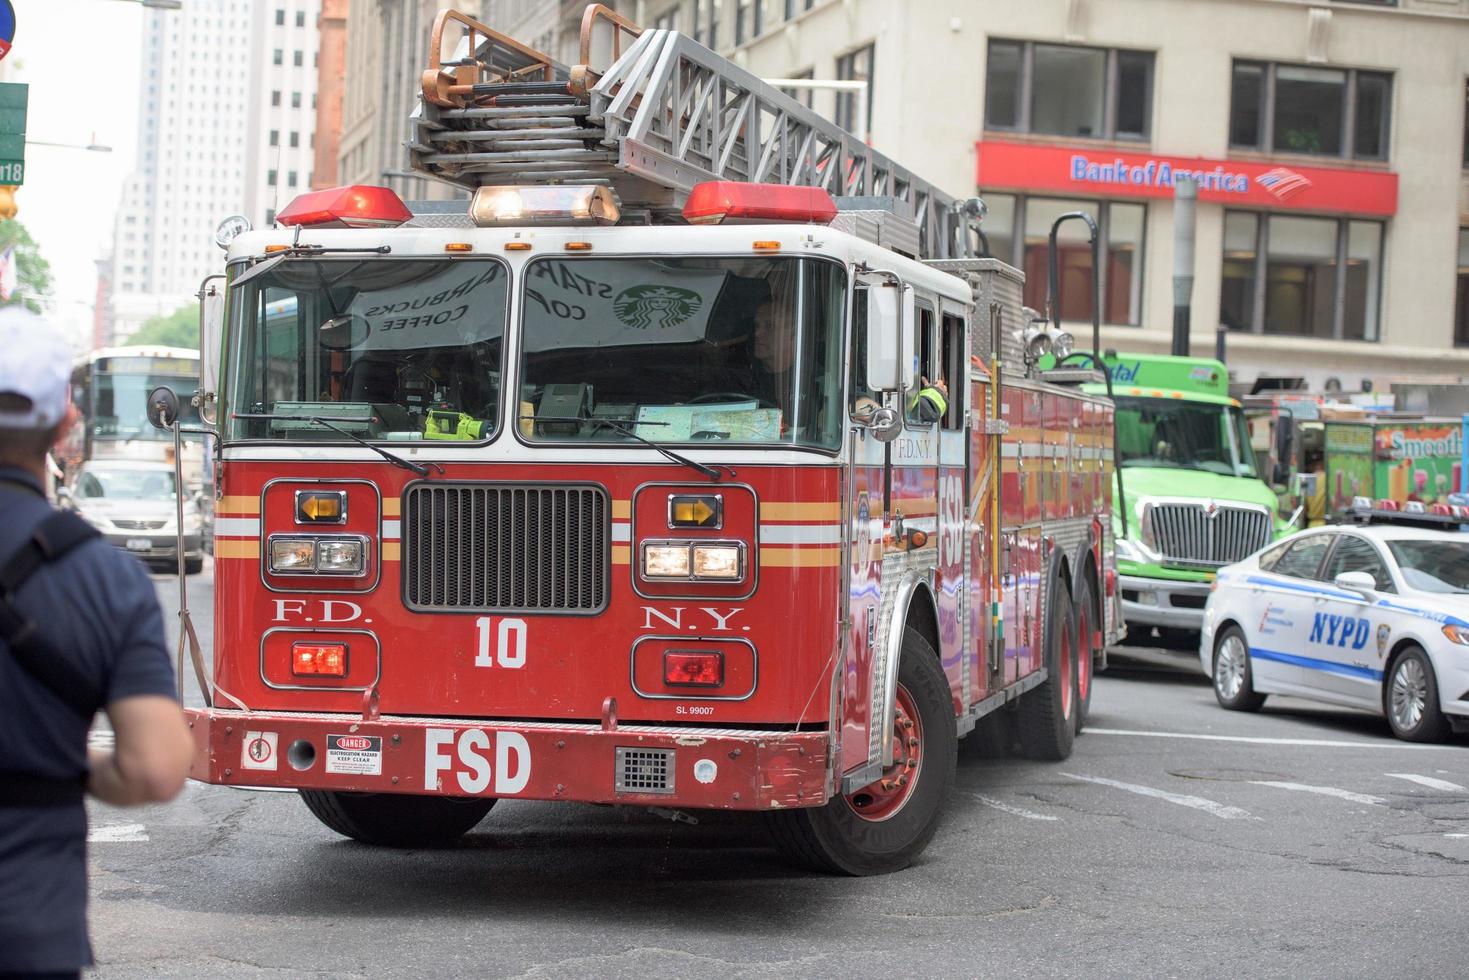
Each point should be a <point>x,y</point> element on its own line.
<point>35,363</point>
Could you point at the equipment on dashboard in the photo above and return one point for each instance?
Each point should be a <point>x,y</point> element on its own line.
<point>448,425</point>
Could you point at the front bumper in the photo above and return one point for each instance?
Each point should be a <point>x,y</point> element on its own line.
<point>159,546</point>
<point>728,769</point>
<point>1162,602</point>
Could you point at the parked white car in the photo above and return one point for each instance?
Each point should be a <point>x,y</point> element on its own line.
<point>1374,617</point>
<point>132,503</point>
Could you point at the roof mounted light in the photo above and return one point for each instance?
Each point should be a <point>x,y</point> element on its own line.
<point>557,204</point>
<point>229,229</point>
<point>357,206</point>
<point>727,202</point>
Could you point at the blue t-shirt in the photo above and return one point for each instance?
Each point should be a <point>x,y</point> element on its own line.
<point>97,607</point>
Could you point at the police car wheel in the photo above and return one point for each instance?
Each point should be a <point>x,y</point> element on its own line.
<point>881,828</point>
<point>1045,716</point>
<point>1233,683</point>
<point>1410,699</point>
<point>395,820</point>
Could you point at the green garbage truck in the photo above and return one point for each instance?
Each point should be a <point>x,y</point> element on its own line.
<point>1189,495</point>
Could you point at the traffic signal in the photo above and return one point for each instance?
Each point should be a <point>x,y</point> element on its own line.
<point>7,202</point>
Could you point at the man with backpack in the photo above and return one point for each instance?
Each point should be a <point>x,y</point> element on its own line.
<point>80,631</point>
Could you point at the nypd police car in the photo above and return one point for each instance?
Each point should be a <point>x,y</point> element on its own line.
<point>1374,617</point>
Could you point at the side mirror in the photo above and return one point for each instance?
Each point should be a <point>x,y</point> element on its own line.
<point>163,407</point>
<point>1359,582</point>
<point>892,344</point>
<point>885,424</point>
<point>211,343</point>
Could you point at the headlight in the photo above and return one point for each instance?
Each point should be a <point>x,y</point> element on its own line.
<point>1127,551</point>
<point>342,556</point>
<point>292,555</point>
<point>1459,634</point>
<point>718,561</point>
<point>694,561</point>
<point>665,561</point>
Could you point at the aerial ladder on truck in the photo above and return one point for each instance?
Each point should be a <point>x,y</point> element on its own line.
<point>651,114</point>
<point>876,582</point>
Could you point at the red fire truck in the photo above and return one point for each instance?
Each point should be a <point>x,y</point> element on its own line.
<point>613,483</point>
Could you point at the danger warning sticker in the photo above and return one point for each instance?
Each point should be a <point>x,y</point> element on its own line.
<point>259,750</point>
<point>356,755</point>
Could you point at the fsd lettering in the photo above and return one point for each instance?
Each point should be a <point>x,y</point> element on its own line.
<point>473,772</point>
<point>1340,631</point>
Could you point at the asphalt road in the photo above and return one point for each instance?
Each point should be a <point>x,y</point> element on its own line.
<point>1179,840</point>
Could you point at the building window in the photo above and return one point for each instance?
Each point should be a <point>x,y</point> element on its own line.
<point>1331,112</point>
<point>1291,275</point>
<point>270,216</point>
<point>1461,308</point>
<point>295,138</point>
<point>744,11</point>
<point>1121,226</point>
<point>270,178</point>
<point>278,57</point>
<point>291,178</point>
<point>295,100</point>
<point>855,66</point>
<point>1466,125</point>
<point>1068,90</point>
<point>275,98</point>
<point>300,18</point>
<point>805,96</point>
<point>275,137</point>
<point>280,18</point>
<point>298,59</point>
<point>666,21</point>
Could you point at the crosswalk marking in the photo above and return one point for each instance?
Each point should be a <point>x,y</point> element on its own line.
<point>1341,794</point>
<point>1009,808</point>
<point>1265,740</point>
<point>1429,781</point>
<point>1180,799</point>
<point>118,833</point>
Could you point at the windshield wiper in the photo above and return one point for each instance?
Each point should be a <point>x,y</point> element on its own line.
<point>393,458</point>
<point>711,472</point>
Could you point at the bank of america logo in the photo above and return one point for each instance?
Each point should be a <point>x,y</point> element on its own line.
<point>1283,183</point>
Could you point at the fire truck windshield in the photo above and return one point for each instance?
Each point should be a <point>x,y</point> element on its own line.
<point>683,350</point>
<point>386,349</point>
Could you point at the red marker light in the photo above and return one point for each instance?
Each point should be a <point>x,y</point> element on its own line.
<point>720,201</point>
<point>693,668</point>
<point>319,659</point>
<point>358,206</point>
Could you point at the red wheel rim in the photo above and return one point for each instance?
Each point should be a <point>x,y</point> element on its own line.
<point>1083,655</point>
<point>881,800</point>
<point>1065,665</point>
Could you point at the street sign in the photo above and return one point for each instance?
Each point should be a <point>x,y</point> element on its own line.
<point>14,97</point>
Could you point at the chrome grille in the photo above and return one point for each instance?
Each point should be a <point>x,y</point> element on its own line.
<point>505,547</point>
<point>644,771</point>
<point>139,525</point>
<point>1189,534</point>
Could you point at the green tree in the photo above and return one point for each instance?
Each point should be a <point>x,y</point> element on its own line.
<point>32,273</point>
<point>177,329</point>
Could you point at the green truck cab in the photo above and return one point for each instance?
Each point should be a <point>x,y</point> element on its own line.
<point>1188,496</point>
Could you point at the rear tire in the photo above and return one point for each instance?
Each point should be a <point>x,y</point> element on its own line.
<point>1046,722</point>
<point>1086,626</point>
<point>395,820</point>
<point>193,566</point>
<point>1410,699</point>
<point>1234,681</point>
<point>882,827</point>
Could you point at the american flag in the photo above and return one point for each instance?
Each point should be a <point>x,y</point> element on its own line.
<point>1282,183</point>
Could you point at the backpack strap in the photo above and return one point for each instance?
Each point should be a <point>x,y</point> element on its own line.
<point>55,536</point>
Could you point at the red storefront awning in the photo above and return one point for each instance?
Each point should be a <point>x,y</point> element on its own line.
<point>1095,172</point>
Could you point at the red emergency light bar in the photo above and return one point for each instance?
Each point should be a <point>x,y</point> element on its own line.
<point>319,659</point>
<point>357,206</point>
<point>720,201</point>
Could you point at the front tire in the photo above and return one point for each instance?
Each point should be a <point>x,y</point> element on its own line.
<point>882,827</point>
<point>395,820</point>
<point>1234,683</point>
<point>1410,699</point>
<point>1046,722</point>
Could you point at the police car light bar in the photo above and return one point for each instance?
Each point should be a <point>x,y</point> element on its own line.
<point>357,206</point>
<point>726,201</point>
<point>1411,513</point>
<point>564,204</point>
